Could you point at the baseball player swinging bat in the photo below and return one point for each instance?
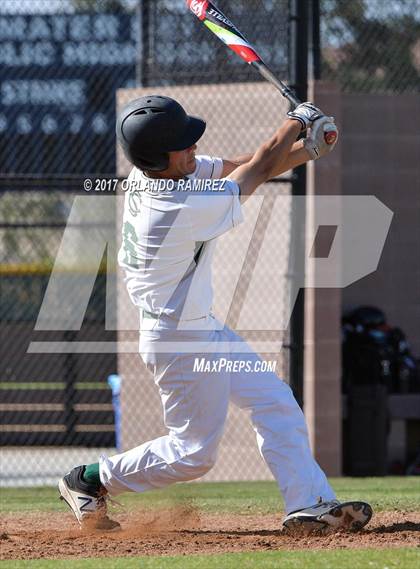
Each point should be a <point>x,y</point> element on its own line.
<point>225,30</point>
<point>167,253</point>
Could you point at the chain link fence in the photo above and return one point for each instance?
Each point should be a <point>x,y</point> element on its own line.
<point>61,66</point>
<point>61,63</point>
<point>371,46</point>
<point>177,51</point>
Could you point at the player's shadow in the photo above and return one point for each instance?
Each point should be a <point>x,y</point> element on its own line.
<point>260,533</point>
<point>395,528</point>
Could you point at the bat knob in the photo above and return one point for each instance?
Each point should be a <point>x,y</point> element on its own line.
<point>330,134</point>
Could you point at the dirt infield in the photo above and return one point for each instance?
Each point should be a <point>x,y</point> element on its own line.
<point>184,530</point>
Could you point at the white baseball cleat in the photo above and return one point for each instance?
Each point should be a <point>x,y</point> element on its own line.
<point>87,503</point>
<point>328,516</point>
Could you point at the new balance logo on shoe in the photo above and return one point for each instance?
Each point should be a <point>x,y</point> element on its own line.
<point>87,501</point>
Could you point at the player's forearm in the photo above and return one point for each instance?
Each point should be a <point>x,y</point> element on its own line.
<point>232,163</point>
<point>243,159</point>
<point>274,155</point>
<point>297,156</point>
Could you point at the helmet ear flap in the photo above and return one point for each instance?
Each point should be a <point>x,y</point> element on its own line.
<point>158,163</point>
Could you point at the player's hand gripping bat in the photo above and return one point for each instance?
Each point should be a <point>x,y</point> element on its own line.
<point>223,28</point>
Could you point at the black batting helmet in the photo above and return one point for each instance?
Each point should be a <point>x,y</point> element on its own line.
<point>150,127</point>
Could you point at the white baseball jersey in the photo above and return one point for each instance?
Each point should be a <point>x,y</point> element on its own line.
<point>169,233</point>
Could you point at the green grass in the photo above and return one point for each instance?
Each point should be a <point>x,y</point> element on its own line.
<point>389,493</point>
<point>407,558</point>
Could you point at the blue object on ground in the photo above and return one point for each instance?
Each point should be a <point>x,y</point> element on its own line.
<point>114,381</point>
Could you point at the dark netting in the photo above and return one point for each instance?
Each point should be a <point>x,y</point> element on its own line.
<point>371,46</point>
<point>48,399</point>
<point>59,71</point>
<point>179,51</point>
<point>58,76</point>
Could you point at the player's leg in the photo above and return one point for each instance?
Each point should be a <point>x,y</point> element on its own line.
<point>195,408</point>
<point>283,441</point>
<point>282,435</point>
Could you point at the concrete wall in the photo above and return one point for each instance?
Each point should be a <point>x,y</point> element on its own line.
<point>380,146</point>
<point>378,154</point>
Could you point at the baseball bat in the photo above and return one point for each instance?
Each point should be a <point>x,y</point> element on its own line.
<point>223,28</point>
<point>229,34</point>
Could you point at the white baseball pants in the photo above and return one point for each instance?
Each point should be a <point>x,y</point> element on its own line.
<point>195,407</point>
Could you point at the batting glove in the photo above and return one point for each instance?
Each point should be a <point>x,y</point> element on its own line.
<point>306,114</point>
<point>322,137</point>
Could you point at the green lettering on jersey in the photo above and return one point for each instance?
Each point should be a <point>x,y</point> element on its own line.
<point>129,245</point>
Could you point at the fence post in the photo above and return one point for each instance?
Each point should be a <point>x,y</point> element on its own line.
<point>143,60</point>
<point>316,39</point>
<point>298,77</point>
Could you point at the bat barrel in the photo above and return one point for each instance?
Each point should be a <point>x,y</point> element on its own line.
<point>223,28</point>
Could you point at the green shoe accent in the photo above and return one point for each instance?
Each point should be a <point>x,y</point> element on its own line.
<point>91,474</point>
